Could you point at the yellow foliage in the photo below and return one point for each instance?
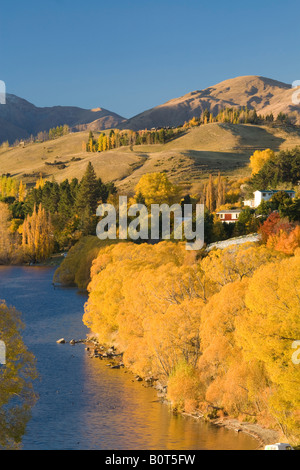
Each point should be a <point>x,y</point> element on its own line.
<point>16,380</point>
<point>139,292</point>
<point>75,268</point>
<point>10,252</point>
<point>267,329</point>
<point>40,183</point>
<point>155,188</point>
<point>259,158</point>
<point>37,235</point>
<point>184,388</point>
<point>218,331</point>
<point>234,263</point>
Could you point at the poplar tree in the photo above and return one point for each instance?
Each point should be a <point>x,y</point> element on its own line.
<point>37,236</point>
<point>210,195</point>
<point>221,190</point>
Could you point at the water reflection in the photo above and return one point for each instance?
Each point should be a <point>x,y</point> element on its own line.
<point>128,416</point>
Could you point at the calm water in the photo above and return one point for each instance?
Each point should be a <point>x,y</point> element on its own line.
<point>82,403</point>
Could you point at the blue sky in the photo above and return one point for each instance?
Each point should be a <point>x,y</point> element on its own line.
<point>128,56</point>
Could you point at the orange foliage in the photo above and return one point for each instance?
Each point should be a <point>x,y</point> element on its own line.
<point>285,242</point>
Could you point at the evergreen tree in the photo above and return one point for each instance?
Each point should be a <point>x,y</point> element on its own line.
<point>65,204</point>
<point>87,192</point>
<point>87,199</point>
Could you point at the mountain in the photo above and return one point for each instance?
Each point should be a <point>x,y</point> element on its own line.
<point>20,119</point>
<point>263,94</point>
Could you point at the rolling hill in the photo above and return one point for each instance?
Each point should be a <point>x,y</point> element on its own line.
<point>263,94</point>
<point>186,160</point>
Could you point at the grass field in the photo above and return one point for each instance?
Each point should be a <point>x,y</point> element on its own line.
<point>186,160</point>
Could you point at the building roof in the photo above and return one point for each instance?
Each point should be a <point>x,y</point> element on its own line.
<point>230,211</point>
<point>274,190</point>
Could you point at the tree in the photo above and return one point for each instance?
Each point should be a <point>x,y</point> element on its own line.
<point>87,200</point>
<point>283,168</point>
<point>155,188</point>
<point>88,191</point>
<point>17,395</point>
<point>221,191</point>
<point>247,223</point>
<point>66,201</point>
<point>285,241</point>
<point>259,158</point>
<point>184,388</point>
<point>267,329</point>
<point>37,236</point>
<point>210,195</point>
<point>22,192</point>
<point>5,234</point>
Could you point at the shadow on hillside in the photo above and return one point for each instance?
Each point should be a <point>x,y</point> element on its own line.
<point>253,137</point>
<point>208,161</point>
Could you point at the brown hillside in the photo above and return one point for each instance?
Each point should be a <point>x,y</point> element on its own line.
<point>186,160</point>
<point>20,119</point>
<point>263,94</point>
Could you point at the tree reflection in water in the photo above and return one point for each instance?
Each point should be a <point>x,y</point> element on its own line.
<point>17,395</point>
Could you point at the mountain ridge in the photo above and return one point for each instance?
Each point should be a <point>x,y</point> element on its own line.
<point>19,118</point>
<point>256,92</point>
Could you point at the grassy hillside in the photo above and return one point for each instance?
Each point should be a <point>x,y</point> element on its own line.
<point>187,159</point>
<point>264,94</point>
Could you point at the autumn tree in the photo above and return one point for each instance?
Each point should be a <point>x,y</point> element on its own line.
<point>37,235</point>
<point>17,395</point>
<point>259,158</point>
<point>6,242</point>
<point>21,191</point>
<point>155,188</point>
<point>210,199</point>
<point>221,191</point>
<point>267,330</point>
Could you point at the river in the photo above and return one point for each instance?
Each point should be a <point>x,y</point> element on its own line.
<point>82,403</point>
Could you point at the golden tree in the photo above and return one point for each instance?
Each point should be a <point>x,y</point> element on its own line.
<point>16,380</point>
<point>21,191</point>
<point>37,235</point>
<point>267,330</point>
<point>210,198</point>
<point>259,158</point>
<point>6,242</point>
<point>155,188</point>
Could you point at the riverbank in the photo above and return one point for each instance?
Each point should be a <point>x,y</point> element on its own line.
<point>263,435</point>
<point>54,261</point>
<point>114,360</point>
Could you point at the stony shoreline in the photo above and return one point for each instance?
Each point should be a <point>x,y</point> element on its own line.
<point>114,360</point>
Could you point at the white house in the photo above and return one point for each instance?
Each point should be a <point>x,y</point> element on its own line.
<point>265,195</point>
<point>229,216</point>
